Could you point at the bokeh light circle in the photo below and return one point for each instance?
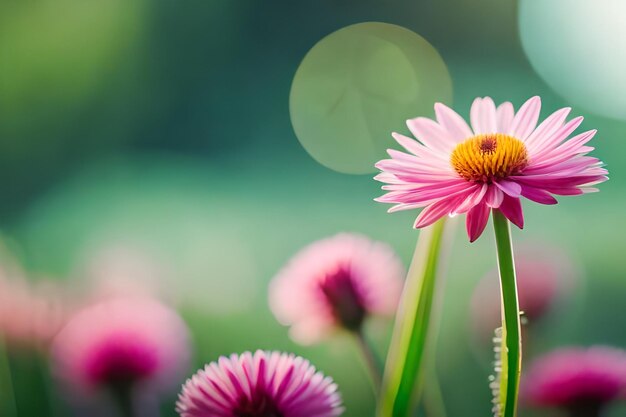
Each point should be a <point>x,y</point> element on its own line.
<point>359,84</point>
<point>579,48</point>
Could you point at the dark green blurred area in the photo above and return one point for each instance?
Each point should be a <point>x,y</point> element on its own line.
<point>164,126</point>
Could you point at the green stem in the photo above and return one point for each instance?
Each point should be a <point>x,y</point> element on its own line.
<point>51,399</point>
<point>402,380</point>
<point>123,396</point>
<point>8,403</point>
<point>509,385</point>
<point>372,360</point>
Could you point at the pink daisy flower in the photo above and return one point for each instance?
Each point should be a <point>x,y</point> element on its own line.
<point>122,343</point>
<point>580,381</point>
<point>336,283</point>
<point>504,156</point>
<point>544,276</point>
<point>263,384</point>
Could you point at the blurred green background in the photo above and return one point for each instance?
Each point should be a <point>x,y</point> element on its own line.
<point>162,128</point>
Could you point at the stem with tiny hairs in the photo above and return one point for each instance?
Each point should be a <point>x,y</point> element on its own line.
<point>512,343</point>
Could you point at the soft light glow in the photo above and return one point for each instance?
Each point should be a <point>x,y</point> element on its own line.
<point>579,48</point>
<point>356,85</point>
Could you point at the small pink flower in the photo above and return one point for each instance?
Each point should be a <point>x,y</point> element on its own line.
<point>266,384</point>
<point>579,380</point>
<point>336,283</point>
<point>504,156</point>
<point>544,275</point>
<point>122,342</point>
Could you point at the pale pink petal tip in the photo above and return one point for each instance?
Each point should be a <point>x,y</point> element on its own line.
<point>583,378</point>
<point>134,340</point>
<point>335,283</point>
<point>259,384</point>
<point>451,169</point>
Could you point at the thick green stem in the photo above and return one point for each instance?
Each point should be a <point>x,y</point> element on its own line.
<point>401,383</point>
<point>373,362</point>
<point>512,343</point>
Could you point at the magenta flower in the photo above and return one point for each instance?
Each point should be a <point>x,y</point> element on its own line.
<point>266,384</point>
<point>580,381</point>
<point>456,169</point>
<point>336,283</point>
<point>122,343</point>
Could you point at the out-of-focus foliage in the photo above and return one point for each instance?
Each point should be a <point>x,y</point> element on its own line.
<point>172,137</point>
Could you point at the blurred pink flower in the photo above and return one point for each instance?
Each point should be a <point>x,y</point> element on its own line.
<point>504,156</point>
<point>125,342</point>
<point>544,275</point>
<point>263,384</point>
<point>579,380</point>
<point>336,283</point>
<point>30,313</point>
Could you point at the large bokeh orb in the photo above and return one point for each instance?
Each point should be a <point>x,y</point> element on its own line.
<point>359,84</point>
<point>579,48</point>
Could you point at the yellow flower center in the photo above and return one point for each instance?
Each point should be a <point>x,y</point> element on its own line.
<point>483,158</point>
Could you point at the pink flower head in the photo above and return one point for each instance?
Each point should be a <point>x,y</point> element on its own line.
<point>336,283</point>
<point>544,275</point>
<point>263,384</point>
<point>580,380</point>
<point>504,156</point>
<point>120,343</point>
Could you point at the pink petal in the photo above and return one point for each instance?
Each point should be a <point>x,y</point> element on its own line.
<point>434,212</point>
<point>398,167</point>
<point>407,143</point>
<point>565,150</point>
<point>403,207</point>
<point>512,209</point>
<point>510,187</point>
<point>565,190</point>
<point>454,124</point>
<point>476,221</point>
<point>474,198</point>
<point>539,147</point>
<point>505,114</point>
<point>550,181</point>
<point>494,197</point>
<point>526,119</point>
<point>483,116</point>
<point>538,195</point>
<point>436,192</point>
<point>548,126</point>
<point>431,134</point>
<point>418,149</point>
